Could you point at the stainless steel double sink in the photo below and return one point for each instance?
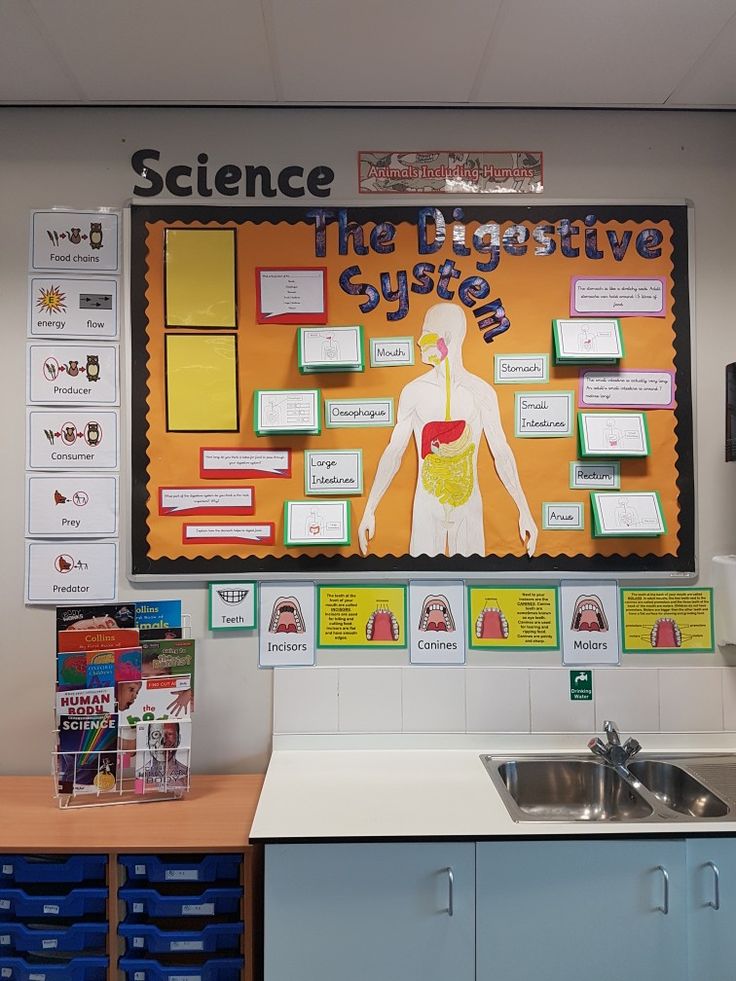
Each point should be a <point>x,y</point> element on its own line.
<point>585,788</point>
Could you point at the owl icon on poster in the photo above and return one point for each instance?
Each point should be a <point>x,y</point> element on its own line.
<point>449,411</point>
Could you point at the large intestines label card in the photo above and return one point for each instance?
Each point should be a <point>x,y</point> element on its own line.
<point>456,465</point>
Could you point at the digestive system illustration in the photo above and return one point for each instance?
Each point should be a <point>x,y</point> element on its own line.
<point>491,624</point>
<point>382,624</point>
<point>436,615</point>
<point>588,615</point>
<point>287,617</point>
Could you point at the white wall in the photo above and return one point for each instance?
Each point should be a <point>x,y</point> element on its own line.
<point>80,158</point>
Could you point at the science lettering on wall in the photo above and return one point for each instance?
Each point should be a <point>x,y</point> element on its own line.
<point>490,330</point>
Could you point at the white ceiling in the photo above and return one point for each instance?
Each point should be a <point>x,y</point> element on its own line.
<point>616,53</point>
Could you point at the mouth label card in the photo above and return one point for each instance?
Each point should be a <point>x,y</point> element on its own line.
<point>362,616</point>
<point>64,506</point>
<point>286,617</point>
<point>590,622</point>
<point>667,620</point>
<point>233,606</point>
<point>333,471</point>
<point>59,307</point>
<point>73,374</point>
<point>437,622</point>
<point>512,618</point>
<point>72,439</point>
<point>389,352</point>
<point>75,241</point>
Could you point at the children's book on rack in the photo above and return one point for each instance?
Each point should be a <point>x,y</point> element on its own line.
<point>124,703</point>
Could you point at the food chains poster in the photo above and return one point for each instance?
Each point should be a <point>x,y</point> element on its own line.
<point>464,285</point>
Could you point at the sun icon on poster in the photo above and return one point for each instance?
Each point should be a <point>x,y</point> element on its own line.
<point>51,300</point>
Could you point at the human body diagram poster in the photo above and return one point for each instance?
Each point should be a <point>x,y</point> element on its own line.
<point>414,389</point>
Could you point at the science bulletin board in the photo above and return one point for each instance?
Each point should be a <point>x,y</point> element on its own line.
<point>416,389</point>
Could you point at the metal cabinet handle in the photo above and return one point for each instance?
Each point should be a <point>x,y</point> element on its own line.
<point>665,907</point>
<point>715,903</point>
<point>450,892</point>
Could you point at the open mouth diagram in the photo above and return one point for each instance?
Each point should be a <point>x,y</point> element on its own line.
<point>491,624</point>
<point>286,617</point>
<point>666,633</point>
<point>382,624</point>
<point>436,615</point>
<point>589,615</point>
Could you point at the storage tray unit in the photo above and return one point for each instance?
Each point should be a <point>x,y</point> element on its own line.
<point>36,969</point>
<point>52,868</point>
<point>181,868</point>
<point>75,938</point>
<point>212,938</point>
<point>214,969</point>
<point>147,903</point>
<point>51,902</point>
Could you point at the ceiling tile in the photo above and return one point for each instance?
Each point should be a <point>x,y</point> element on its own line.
<point>29,68</point>
<point>380,50</point>
<point>163,51</point>
<point>596,53</point>
<point>712,82</point>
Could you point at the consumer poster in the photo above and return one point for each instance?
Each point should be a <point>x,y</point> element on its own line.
<point>457,463</point>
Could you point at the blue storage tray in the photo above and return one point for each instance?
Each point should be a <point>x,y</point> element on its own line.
<point>178,868</point>
<point>70,939</point>
<point>76,969</point>
<point>144,938</point>
<point>210,902</point>
<point>58,868</point>
<point>220,969</point>
<point>78,902</point>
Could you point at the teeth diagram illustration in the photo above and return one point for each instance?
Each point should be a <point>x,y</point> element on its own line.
<point>232,596</point>
<point>491,624</point>
<point>589,615</point>
<point>382,624</point>
<point>286,617</point>
<point>436,615</point>
<point>666,633</point>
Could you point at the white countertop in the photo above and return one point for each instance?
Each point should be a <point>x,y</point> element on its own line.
<point>431,787</point>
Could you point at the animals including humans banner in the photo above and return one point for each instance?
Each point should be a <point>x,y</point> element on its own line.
<point>396,390</point>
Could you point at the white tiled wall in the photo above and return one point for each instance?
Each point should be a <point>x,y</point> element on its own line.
<point>501,699</point>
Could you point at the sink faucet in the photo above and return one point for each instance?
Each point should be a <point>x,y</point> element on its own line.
<point>612,751</point>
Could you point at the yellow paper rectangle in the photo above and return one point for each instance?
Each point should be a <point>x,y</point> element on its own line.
<point>507,617</point>
<point>201,383</point>
<point>667,620</point>
<point>361,616</point>
<point>200,277</point>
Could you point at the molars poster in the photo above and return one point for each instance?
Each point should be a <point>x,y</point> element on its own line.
<point>422,363</point>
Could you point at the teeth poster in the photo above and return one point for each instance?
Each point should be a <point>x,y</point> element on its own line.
<point>589,622</point>
<point>362,616</point>
<point>437,622</point>
<point>670,621</point>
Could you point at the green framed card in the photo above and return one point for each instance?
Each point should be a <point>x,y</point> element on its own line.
<point>310,523</point>
<point>619,434</point>
<point>330,349</point>
<point>594,341</point>
<point>233,605</point>
<point>618,514</point>
<point>286,412</point>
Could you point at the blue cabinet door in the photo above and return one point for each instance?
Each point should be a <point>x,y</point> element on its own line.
<point>576,910</point>
<point>370,912</point>
<point>711,870</point>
